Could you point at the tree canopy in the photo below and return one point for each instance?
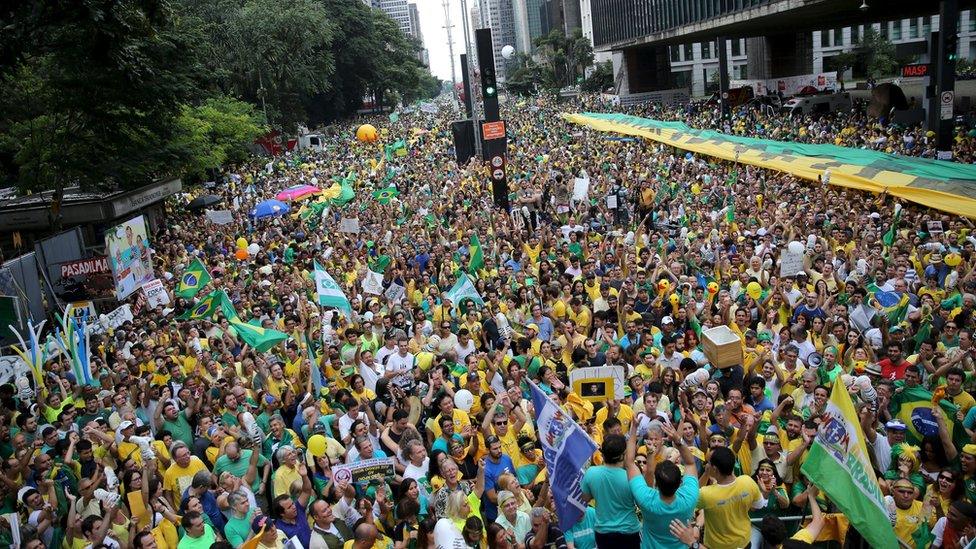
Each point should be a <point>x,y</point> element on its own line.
<point>110,94</point>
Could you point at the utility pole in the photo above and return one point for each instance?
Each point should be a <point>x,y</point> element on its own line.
<point>450,46</point>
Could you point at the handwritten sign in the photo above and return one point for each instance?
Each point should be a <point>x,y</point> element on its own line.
<point>349,225</point>
<point>373,283</point>
<point>220,217</point>
<point>395,292</point>
<point>790,263</point>
<point>155,293</point>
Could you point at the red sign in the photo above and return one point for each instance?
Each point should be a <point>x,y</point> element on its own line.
<point>915,70</point>
<point>493,130</point>
<point>84,267</point>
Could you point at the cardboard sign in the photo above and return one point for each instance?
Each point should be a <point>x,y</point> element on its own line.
<point>395,292</point>
<point>349,225</point>
<point>599,383</point>
<point>220,217</point>
<point>155,293</point>
<point>112,320</point>
<point>364,471</point>
<point>790,263</point>
<point>934,227</point>
<point>373,283</point>
<point>581,188</point>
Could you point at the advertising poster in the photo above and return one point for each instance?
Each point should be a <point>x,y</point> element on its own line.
<point>128,255</point>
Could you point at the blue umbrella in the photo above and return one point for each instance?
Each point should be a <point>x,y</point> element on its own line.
<point>269,208</point>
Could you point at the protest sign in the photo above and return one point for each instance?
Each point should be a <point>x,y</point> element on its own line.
<point>364,471</point>
<point>790,263</point>
<point>155,293</point>
<point>598,383</point>
<point>349,225</point>
<point>395,292</point>
<point>373,283</point>
<point>220,217</point>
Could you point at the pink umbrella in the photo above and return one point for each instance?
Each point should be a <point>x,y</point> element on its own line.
<point>298,192</point>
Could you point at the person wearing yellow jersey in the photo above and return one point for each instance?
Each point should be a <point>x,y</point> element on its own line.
<point>580,314</point>
<point>727,502</point>
<point>614,408</point>
<point>569,340</point>
<point>910,513</point>
<point>498,422</point>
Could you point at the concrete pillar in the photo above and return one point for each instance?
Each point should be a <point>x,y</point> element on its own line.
<point>757,58</point>
<point>779,55</point>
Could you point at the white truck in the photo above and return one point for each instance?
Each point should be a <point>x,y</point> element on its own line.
<point>820,103</point>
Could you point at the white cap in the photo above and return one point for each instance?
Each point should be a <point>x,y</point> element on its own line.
<point>667,320</point>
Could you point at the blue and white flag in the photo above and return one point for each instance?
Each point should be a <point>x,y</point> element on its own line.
<point>566,448</point>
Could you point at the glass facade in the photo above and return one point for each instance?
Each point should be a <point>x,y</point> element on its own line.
<point>620,20</point>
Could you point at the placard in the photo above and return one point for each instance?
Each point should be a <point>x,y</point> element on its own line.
<point>220,217</point>
<point>373,283</point>
<point>155,293</point>
<point>581,188</point>
<point>934,227</point>
<point>587,380</point>
<point>790,263</point>
<point>395,292</point>
<point>112,320</point>
<point>349,225</point>
<point>364,471</point>
<point>129,256</point>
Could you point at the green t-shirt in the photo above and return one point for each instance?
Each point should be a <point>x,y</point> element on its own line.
<point>239,468</point>
<point>180,428</point>
<point>616,508</point>
<point>203,542</point>
<point>238,530</point>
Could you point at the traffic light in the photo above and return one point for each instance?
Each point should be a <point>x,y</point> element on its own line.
<point>951,47</point>
<point>488,83</point>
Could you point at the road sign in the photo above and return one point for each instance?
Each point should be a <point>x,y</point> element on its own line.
<point>945,105</point>
<point>497,161</point>
<point>498,174</point>
<point>493,130</point>
<point>916,70</point>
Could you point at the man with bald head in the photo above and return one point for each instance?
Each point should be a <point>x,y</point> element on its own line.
<point>367,537</point>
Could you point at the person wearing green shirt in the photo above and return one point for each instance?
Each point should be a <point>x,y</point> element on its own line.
<point>199,534</point>
<point>243,464</point>
<point>172,419</point>
<point>238,527</point>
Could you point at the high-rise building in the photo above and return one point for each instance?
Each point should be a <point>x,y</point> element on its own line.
<point>398,10</point>
<point>415,22</point>
<point>497,15</point>
<point>523,38</point>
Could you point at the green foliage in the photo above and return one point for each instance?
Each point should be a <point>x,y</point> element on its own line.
<point>563,58</point>
<point>217,132</point>
<point>600,79</point>
<point>873,57</point>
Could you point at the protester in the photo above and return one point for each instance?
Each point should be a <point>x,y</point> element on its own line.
<point>359,371</point>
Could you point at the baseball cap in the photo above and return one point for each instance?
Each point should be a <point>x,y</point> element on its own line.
<point>667,320</point>
<point>125,425</point>
<point>896,425</point>
<point>532,327</point>
<point>473,375</point>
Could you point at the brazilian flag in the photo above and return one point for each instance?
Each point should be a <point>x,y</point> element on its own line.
<point>913,407</point>
<point>476,256</point>
<point>384,196</point>
<point>258,338</point>
<point>194,278</point>
<point>206,307</point>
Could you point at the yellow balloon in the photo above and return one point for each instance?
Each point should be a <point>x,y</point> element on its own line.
<point>754,290</point>
<point>241,242</point>
<point>366,133</point>
<point>316,445</point>
<point>695,189</point>
<point>953,259</point>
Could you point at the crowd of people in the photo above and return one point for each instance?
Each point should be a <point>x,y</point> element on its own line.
<point>190,438</point>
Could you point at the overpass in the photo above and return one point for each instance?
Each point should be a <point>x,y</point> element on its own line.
<point>779,32</point>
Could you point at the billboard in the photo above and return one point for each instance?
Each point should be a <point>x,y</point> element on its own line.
<point>85,279</point>
<point>127,245</point>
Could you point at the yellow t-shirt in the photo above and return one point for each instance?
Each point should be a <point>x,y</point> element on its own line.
<point>727,511</point>
<point>907,521</point>
<point>177,479</point>
<point>460,420</point>
<point>284,477</point>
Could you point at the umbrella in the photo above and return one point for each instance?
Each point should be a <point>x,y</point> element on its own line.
<point>204,201</point>
<point>269,208</point>
<point>298,192</point>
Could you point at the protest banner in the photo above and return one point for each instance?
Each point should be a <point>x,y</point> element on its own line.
<point>349,225</point>
<point>364,471</point>
<point>128,255</point>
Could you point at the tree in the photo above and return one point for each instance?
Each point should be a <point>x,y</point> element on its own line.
<point>878,53</point>
<point>89,93</point>
<point>600,79</point>
<point>525,76</point>
<point>217,132</point>
<point>563,59</point>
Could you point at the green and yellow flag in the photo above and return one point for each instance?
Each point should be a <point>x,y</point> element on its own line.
<point>476,257</point>
<point>194,278</point>
<point>206,307</point>
<point>258,338</point>
<point>384,196</point>
<point>838,464</point>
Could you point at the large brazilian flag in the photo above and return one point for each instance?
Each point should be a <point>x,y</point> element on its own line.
<point>194,278</point>
<point>913,407</point>
<point>946,186</point>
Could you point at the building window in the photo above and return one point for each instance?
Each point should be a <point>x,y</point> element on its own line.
<point>896,30</point>
<point>913,28</point>
<point>675,54</point>
<point>736,47</point>
<point>927,27</point>
<point>838,37</point>
<point>855,35</point>
<point>825,39</point>
<point>689,52</point>
<point>682,79</point>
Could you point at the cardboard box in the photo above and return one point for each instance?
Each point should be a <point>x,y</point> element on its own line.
<point>722,347</point>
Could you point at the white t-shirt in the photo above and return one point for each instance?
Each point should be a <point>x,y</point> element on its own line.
<point>403,367</point>
<point>463,351</point>
<point>447,536</point>
<point>384,352</point>
<point>345,423</point>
